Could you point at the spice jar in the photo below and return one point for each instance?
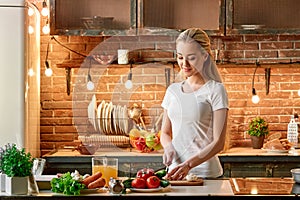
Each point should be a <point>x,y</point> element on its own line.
<point>115,186</point>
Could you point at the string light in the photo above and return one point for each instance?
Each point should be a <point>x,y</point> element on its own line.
<point>255,97</point>
<point>128,83</point>
<point>45,10</point>
<point>90,85</point>
<point>30,72</point>
<point>46,28</point>
<point>30,11</point>
<point>30,29</point>
<point>48,71</point>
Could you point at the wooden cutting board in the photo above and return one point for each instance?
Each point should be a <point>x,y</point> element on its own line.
<point>198,182</point>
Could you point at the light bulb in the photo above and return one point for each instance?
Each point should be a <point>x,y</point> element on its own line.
<point>45,10</point>
<point>128,84</point>
<point>299,92</point>
<point>90,85</point>
<point>30,72</point>
<point>30,29</point>
<point>46,29</point>
<point>255,99</point>
<point>30,12</point>
<point>48,72</point>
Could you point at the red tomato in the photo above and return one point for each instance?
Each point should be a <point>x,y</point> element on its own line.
<point>145,173</point>
<point>153,182</point>
<point>138,183</point>
<point>140,144</point>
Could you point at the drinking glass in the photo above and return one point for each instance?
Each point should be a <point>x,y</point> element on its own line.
<point>38,166</point>
<point>107,166</point>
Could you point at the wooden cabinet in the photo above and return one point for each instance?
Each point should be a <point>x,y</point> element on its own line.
<point>115,17</point>
<point>111,17</point>
<point>128,162</point>
<point>248,162</point>
<point>239,162</point>
<point>261,16</point>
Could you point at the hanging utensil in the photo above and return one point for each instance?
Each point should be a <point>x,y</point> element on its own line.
<point>267,79</point>
<point>167,76</point>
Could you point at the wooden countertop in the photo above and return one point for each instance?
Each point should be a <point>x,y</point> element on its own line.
<point>233,187</point>
<point>220,187</point>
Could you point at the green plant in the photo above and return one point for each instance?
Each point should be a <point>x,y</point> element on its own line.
<point>258,127</point>
<point>15,162</point>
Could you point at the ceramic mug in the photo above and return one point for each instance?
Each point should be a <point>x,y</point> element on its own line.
<point>123,56</point>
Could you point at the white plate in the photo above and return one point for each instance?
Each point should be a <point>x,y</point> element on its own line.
<point>108,117</point>
<point>103,118</point>
<point>118,119</point>
<point>112,120</point>
<point>146,190</point>
<point>99,111</point>
<point>122,119</point>
<point>125,119</point>
<point>275,151</point>
<point>94,111</point>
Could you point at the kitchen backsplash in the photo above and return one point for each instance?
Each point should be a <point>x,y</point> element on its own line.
<point>236,55</point>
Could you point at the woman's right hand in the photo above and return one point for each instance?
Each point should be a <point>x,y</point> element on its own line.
<point>169,154</point>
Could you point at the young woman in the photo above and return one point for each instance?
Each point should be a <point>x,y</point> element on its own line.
<point>195,111</point>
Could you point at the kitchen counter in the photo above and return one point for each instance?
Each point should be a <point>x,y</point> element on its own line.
<point>273,188</point>
<point>209,188</point>
<point>236,162</point>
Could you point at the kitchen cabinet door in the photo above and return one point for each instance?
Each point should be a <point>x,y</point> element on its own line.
<point>101,15</point>
<point>178,14</point>
<point>255,16</point>
<point>111,17</point>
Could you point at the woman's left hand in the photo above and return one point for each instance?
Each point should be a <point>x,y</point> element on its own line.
<point>179,172</point>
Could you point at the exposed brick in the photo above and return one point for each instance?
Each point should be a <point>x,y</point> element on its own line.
<point>261,54</point>
<point>241,46</point>
<point>232,54</point>
<point>59,114</point>
<point>289,53</point>
<point>276,45</point>
<point>289,37</point>
<point>257,38</point>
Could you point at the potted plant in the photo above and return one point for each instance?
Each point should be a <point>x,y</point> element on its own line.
<point>16,164</point>
<point>258,129</point>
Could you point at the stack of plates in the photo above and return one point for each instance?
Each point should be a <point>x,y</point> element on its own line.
<point>107,118</point>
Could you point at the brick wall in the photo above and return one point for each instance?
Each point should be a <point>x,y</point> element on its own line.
<point>236,56</point>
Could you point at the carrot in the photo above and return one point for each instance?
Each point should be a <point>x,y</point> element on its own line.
<point>100,182</point>
<point>91,178</point>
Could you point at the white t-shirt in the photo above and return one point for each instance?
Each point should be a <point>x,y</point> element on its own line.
<point>191,117</point>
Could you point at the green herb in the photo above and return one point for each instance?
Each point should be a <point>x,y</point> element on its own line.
<point>258,127</point>
<point>15,162</point>
<point>66,185</point>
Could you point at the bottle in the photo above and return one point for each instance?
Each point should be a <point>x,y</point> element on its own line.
<point>296,116</point>
<point>115,186</point>
<point>292,134</point>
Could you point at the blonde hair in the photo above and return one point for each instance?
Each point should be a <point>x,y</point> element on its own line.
<point>210,70</point>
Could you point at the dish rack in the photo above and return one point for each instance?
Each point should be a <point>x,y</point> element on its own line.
<point>107,132</point>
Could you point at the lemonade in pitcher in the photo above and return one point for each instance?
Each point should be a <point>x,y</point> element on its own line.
<point>107,166</point>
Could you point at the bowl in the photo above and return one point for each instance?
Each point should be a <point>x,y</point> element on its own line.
<point>296,174</point>
<point>87,149</point>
